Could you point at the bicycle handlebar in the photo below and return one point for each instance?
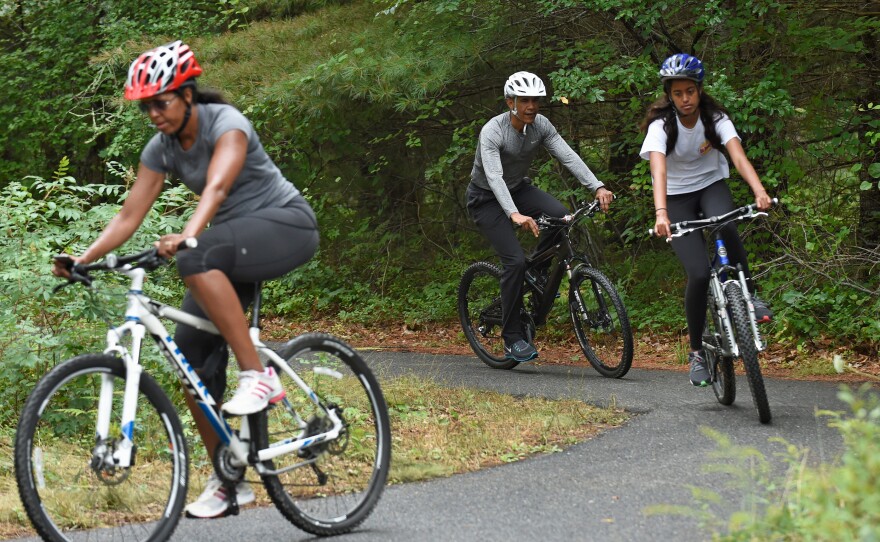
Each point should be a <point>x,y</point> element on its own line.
<point>687,226</point>
<point>148,259</point>
<point>584,209</point>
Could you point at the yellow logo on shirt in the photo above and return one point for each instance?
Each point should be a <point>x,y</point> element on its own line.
<point>705,147</point>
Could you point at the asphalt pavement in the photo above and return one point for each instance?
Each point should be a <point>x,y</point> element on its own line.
<point>601,489</point>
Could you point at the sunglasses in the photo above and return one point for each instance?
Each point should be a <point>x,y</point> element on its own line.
<point>158,105</point>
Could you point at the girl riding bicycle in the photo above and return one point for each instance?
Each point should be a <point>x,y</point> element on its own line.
<point>686,133</point>
<point>251,223</point>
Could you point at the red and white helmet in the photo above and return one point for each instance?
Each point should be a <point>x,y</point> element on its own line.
<point>159,70</point>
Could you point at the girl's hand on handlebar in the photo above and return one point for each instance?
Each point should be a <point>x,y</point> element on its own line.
<point>167,244</point>
<point>762,200</point>
<point>604,196</point>
<point>525,222</point>
<point>661,225</point>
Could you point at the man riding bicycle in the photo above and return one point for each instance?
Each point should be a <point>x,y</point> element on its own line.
<point>500,192</point>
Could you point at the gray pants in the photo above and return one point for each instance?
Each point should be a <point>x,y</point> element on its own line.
<point>499,230</point>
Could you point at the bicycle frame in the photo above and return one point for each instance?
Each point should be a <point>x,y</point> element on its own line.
<point>564,254</point>
<point>720,268</point>
<point>142,316</point>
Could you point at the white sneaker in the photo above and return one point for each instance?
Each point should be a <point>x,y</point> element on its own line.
<point>255,391</point>
<point>213,502</point>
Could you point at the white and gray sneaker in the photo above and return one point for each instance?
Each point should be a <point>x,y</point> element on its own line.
<point>699,373</point>
<point>214,502</point>
<point>256,389</point>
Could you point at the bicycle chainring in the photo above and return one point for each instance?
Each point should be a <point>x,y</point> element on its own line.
<point>224,466</point>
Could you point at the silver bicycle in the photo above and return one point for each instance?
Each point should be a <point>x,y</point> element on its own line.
<point>100,451</point>
<point>731,330</point>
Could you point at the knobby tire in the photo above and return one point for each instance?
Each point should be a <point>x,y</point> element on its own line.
<point>604,333</point>
<point>747,349</point>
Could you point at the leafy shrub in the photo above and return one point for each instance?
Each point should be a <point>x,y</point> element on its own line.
<point>40,218</point>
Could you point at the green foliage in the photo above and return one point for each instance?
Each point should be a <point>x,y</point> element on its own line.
<point>372,108</point>
<point>43,217</point>
<point>837,501</point>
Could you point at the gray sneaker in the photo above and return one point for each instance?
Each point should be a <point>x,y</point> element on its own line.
<point>520,351</point>
<point>763,314</point>
<point>699,371</point>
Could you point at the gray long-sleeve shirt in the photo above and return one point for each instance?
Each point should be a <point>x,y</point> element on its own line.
<point>505,155</point>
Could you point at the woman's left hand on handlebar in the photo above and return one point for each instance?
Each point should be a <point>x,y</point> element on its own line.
<point>167,244</point>
<point>604,196</point>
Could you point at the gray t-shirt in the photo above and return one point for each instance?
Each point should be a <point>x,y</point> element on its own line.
<point>260,183</point>
<point>505,155</point>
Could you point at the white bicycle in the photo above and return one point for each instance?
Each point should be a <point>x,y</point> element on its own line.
<point>100,452</point>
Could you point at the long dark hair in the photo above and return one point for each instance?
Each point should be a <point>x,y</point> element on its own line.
<point>710,112</point>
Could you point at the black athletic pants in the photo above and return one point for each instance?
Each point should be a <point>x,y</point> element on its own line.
<point>500,231</point>
<point>713,200</point>
<point>262,245</point>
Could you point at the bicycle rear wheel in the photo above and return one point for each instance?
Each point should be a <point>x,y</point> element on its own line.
<point>600,322</point>
<point>479,310</point>
<point>337,483</point>
<point>748,351</point>
<point>68,492</point>
<point>720,367</point>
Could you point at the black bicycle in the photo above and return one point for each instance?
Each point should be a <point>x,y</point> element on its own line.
<point>597,312</point>
<point>731,330</point>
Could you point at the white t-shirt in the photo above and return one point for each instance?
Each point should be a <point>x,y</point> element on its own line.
<point>695,164</point>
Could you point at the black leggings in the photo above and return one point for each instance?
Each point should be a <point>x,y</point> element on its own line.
<point>713,200</point>
<point>262,245</point>
<point>497,227</point>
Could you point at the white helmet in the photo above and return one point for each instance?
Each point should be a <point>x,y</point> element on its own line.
<point>524,84</point>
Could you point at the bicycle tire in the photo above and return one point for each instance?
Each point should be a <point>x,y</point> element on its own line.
<point>748,352</point>
<point>479,311</point>
<point>355,465</point>
<point>54,444</point>
<point>720,367</point>
<point>605,338</point>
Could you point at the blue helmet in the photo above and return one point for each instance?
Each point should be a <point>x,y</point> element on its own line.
<point>682,66</point>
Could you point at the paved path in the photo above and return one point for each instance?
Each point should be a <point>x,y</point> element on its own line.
<point>597,490</point>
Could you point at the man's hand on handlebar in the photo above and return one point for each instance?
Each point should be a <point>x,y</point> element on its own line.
<point>604,196</point>
<point>525,222</point>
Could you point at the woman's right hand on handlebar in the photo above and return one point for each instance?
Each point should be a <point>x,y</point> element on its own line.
<point>525,222</point>
<point>661,225</point>
<point>62,263</point>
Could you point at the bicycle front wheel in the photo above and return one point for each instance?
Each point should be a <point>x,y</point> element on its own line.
<point>745,340</point>
<point>600,322</point>
<point>479,310</point>
<point>68,490</point>
<point>720,367</point>
<point>331,486</point>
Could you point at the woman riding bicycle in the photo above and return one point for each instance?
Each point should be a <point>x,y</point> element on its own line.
<point>686,132</point>
<point>500,189</point>
<point>251,224</point>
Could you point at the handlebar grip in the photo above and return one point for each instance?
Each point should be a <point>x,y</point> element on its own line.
<point>189,242</point>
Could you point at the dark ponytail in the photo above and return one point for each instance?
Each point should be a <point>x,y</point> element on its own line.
<point>202,96</point>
